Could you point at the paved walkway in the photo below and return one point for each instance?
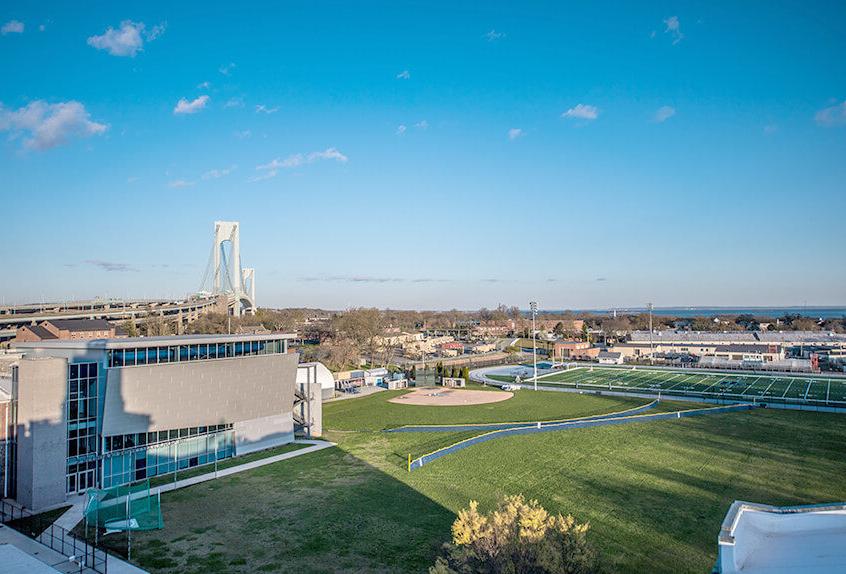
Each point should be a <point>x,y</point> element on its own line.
<point>362,392</point>
<point>31,556</point>
<point>315,446</point>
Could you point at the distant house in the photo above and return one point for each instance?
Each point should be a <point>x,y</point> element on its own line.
<point>610,358</point>
<point>62,329</point>
<point>568,349</point>
<point>375,377</point>
<point>394,382</point>
<point>453,382</point>
<point>480,348</point>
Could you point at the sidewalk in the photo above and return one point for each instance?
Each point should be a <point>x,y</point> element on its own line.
<point>362,392</point>
<point>74,515</point>
<point>316,445</point>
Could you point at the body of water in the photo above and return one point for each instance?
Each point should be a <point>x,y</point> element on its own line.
<point>814,312</point>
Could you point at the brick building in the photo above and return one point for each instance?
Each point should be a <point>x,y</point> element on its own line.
<point>60,329</point>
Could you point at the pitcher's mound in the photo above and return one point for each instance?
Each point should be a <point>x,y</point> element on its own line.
<point>450,397</point>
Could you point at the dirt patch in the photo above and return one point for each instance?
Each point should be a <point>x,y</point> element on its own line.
<point>439,397</point>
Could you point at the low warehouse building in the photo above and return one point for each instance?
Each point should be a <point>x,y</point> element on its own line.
<point>322,376</point>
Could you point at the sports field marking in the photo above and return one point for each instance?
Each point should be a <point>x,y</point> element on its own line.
<point>717,382</point>
<point>790,384</point>
<point>767,390</point>
<point>728,385</point>
<point>749,385</point>
<point>635,379</point>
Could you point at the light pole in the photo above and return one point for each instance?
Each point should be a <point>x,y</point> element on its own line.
<point>533,305</point>
<point>651,346</point>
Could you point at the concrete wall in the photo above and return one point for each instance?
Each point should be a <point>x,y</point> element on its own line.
<point>178,395</point>
<point>262,433</point>
<point>316,408</point>
<point>42,431</point>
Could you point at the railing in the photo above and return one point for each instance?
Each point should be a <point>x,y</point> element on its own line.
<point>79,552</point>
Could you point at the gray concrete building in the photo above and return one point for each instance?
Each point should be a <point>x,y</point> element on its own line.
<point>105,412</point>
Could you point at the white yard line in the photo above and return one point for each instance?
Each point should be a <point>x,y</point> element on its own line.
<point>648,375</point>
<point>772,382</point>
<point>807,390</point>
<point>717,382</point>
<point>686,381</point>
<point>827,392</point>
<point>790,384</point>
<point>750,385</point>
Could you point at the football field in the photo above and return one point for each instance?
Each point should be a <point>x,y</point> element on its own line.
<point>804,389</point>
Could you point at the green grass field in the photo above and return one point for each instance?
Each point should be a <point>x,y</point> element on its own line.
<point>654,493</point>
<point>374,412</point>
<point>776,388</point>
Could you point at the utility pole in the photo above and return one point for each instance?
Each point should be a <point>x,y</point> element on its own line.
<point>533,305</point>
<point>651,346</point>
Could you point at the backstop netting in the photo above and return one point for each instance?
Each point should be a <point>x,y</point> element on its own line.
<point>124,507</point>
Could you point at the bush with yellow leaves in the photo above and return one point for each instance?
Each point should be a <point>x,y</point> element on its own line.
<point>518,537</point>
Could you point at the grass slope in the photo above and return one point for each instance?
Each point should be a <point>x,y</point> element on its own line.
<point>654,493</point>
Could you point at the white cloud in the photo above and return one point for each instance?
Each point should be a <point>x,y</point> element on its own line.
<point>183,106</point>
<point>12,27</point>
<point>664,113</point>
<point>582,112</point>
<point>234,103</point>
<point>180,183</point>
<point>49,125</point>
<point>832,116</point>
<point>226,69</point>
<point>204,85</point>
<point>401,129</point>
<point>243,134</point>
<point>328,153</point>
<point>515,133</point>
<point>218,173</point>
<point>127,40</point>
<point>404,75</point>
<point>673,27</point>
<point>271,169</point>
<point>422,124</point>
<point>262,109</point>
<point>493,36</point>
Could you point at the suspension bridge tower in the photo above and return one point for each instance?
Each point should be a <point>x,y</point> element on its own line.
<point>228,278</point>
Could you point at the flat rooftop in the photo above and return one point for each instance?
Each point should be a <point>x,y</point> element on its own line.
<point>762,539</point>
<point>138,342</point>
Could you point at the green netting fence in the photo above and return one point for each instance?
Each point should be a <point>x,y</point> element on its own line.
<point>124,507</point>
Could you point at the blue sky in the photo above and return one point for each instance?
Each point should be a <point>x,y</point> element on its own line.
<point>412,156</point>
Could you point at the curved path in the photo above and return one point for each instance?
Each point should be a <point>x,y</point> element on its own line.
<point>567,425</point>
